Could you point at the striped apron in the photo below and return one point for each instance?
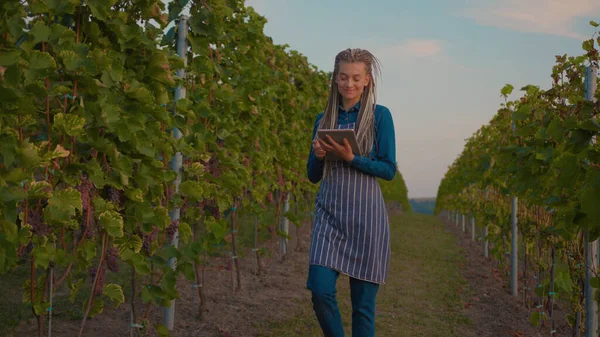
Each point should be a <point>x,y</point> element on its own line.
<point>351,229</point>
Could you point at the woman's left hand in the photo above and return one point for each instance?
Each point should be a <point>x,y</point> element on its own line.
<point>343,150</point>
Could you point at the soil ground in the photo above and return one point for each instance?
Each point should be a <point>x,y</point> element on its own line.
<point>489,304</point>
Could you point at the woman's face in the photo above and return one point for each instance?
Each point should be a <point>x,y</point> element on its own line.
<point>351,79</point>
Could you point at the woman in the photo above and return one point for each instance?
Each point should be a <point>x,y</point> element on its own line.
<point>351,231</point>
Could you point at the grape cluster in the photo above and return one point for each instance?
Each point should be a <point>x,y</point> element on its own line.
<point>91,231</point>
<point>114,195</point>
<point>171,230</point>
<point>112,259</point>
<point>35,220</point>
<point>100,285</point>
<point>148,239</point>
<point>184,208</point>
<point>26,250</point>
<point>211,209</point>
<point>146,244</point>
<point>85,189</point>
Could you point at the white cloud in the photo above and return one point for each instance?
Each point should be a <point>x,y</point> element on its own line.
<point>395,56</point>
<point>555,17</point>
<point>411,49</point>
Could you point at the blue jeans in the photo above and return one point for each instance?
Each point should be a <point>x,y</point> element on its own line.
<point>322,283</point>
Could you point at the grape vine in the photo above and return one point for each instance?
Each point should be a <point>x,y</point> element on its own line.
<point>396,192</point>
<point>86,120</point>
<point>551,162</point>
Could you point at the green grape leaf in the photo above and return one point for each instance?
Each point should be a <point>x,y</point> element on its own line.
<point>567,169</point>
<point>9,57</point>
<point>534,318</point>
<point>162,330</point>
<point>507,90</point>
<point>590,196</point>
<point>132,243</point>
<point>63,206</point>
<point>162,219</point>
<point>40,32</point>
<point>39,190</point>
<point>135,195</point>
<point>41,60</point>
<point>192,190</point>
<point>96,309</point>
<point>43,253</point>
<point>112,222</point>
<point>71,125</point>
<point>114,293</point>
<point>185,232</point>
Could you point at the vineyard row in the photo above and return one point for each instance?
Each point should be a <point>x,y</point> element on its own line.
<point>123,142</point>
<point>529,182</point>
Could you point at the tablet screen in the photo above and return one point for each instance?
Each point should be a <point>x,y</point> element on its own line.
<point>338,135</point>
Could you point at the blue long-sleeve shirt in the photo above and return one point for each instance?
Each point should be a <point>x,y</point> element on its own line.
<point>381,161</point>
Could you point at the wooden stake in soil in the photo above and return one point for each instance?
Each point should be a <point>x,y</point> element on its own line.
<point>199,279</point>
<point>551,293</point>
<point>525,272</point>
<point>132,315</point>
<point>486,241</point>
<point>234,254</point>
<point>298,241</point>
<point>284,226</point>
<point>50,286</point>
<point>256,252</point>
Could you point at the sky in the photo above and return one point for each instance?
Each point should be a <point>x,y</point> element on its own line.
<point>443,61</point>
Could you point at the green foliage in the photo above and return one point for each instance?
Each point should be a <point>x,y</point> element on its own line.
<point>550,161</point>
<point>87,114</point>
<point>395,191</point>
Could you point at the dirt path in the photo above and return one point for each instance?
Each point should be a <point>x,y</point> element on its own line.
<point>494,312</point>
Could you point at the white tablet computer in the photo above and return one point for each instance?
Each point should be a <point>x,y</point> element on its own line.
<point>338,135</point>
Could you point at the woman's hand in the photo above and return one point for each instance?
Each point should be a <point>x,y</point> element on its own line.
<point>319,151</point>
<point>343,150</point>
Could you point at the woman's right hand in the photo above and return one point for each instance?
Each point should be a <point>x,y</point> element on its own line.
<point>319,150</point>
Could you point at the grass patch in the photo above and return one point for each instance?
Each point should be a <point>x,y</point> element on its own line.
<point>423,294</point>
